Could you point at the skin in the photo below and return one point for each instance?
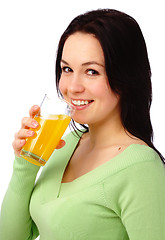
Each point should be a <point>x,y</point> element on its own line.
<point>80,80</point>
<point>84,78</point>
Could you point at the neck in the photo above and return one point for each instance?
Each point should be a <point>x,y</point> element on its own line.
<point>112,133</point>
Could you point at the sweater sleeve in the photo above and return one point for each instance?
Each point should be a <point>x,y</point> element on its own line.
<point>15,219</point>
<point>138,197</point>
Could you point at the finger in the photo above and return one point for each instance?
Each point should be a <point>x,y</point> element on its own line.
<point>35,110</point>
<point>18,145</point>
<point>24,133</point>
<point>60,144</point>
<point>29,123</point>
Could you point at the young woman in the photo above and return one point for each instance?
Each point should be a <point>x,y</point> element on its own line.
<point>107,181</point>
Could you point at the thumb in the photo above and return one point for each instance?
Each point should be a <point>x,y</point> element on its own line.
<point>60,144</point>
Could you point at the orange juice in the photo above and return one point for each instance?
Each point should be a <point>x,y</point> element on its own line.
<point>38,148</point>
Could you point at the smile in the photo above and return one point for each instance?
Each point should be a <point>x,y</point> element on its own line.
<point>81,102</point>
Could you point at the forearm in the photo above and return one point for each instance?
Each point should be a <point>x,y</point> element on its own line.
<point>15,220</point>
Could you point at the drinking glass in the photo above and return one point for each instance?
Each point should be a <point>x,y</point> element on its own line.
<point>53,120</point>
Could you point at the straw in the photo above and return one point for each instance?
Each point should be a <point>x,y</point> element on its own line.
<point>42,103</point>
<point>70,106</point>
<point>43,99</point>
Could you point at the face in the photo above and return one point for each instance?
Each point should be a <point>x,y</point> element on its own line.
<point>84,82</point>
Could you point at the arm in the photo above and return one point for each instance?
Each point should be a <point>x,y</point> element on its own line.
<point>143,210</point>
<point>137,195</point>
<point>15,220</point>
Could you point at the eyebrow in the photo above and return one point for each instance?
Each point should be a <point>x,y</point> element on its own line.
<point>86,63</point>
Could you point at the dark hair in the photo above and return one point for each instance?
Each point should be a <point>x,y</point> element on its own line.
<point>126,63</point>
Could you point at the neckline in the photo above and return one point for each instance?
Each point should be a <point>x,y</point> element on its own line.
<point>103,165</point>
<point>59,160</point>
<point>134,154</point>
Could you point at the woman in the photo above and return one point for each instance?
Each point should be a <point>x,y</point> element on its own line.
<point>107,181</point>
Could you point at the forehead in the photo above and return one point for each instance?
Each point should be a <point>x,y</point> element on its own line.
<point>82,47</point>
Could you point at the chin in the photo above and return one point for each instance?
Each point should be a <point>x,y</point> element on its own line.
<point>80,120</point>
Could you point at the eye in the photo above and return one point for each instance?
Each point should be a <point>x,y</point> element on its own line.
<point>92,72</point>
<point>66,69</point>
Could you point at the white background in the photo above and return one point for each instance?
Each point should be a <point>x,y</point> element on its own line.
<point>29,34</point>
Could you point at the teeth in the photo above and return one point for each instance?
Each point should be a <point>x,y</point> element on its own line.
<point>80,103</point>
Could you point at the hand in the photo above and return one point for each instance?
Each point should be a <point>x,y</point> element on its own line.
<point>25,131</point>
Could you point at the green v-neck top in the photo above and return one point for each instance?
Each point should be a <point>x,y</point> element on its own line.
<point>121,199</point>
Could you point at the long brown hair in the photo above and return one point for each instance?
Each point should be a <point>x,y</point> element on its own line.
<point>126,62</point>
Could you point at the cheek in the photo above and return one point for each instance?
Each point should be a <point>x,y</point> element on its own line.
<point>62,86</point>
<point>106,95</point>
<point>101,90</point>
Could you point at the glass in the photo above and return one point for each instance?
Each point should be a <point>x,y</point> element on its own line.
<point>52,125</point>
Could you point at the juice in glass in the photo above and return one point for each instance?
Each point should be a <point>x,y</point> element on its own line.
<point>38,148</point>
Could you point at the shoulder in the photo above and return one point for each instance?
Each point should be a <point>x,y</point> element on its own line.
<point>138,166</point>
<point>139,153</point>
<point>146,164</point>
<point>134,161</point>
<point>140,179</point>
<point>143,163</point>
<point>139,169</point>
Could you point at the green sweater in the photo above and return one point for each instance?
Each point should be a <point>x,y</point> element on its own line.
<point>122,199</point>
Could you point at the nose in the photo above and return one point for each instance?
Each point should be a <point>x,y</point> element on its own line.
<point>76,85</point>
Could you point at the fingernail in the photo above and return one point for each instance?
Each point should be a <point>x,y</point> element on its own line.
<point>34,124</point>
<point>22,141</point>
<point>30,133</point>
<point>35,107</point>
